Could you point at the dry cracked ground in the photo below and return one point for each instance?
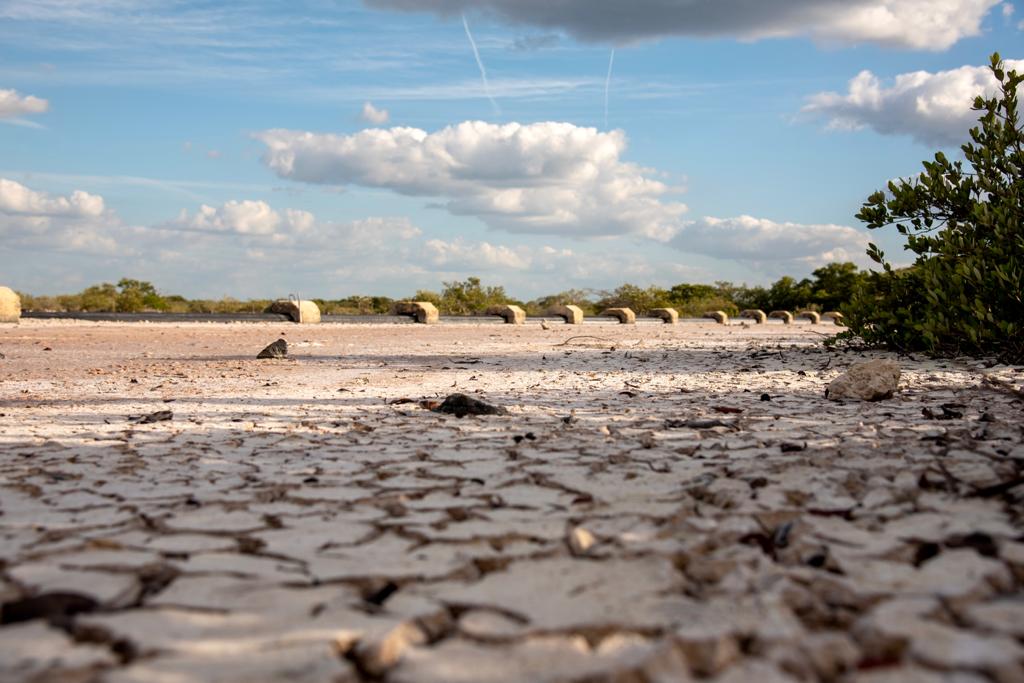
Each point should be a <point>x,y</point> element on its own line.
<point>659,504</point>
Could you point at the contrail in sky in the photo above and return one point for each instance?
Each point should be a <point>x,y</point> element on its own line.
<point>480,63</point>
<point>607,87</point>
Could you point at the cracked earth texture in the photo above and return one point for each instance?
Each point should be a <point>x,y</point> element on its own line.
<point>641,514</point>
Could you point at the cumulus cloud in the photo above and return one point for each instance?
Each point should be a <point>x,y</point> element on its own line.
<point>542,178</point>
<point>255,221</point>
<point>15,198</point>
<point>372,114</point>
<point>78,221</point>
<point>14,105</point>
<point>462,255</point>
<point>763,242</point>
<point>241,217</point>
<point>933,108</point>
<point>918,24</point>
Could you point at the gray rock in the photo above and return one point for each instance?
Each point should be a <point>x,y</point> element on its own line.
<point>461,405</point>
<point>278,349</point>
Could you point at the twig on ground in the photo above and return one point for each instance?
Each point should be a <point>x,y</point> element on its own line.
<point>587,336</point>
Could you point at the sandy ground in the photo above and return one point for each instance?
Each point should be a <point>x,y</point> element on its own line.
<point>661,503</point>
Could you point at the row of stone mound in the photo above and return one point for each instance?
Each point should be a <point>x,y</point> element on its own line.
<point>307,312</point>
<point>427,313</point>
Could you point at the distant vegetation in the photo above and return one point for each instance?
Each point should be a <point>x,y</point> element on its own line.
<point>964,294</point>
<point>830,288</point>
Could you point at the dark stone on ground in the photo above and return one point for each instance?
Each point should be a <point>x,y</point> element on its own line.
<point>278,349</point>
<point>158,416</point>
<point>461,405</point>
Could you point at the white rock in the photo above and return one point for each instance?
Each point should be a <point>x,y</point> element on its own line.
<point>872,381</point>
<point>580,541</point>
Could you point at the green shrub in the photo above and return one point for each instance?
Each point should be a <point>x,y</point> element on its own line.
<point>469,297</point>
<point>572,297</point>
<point>98,298</point>
<point>638,299</point>
<point>964,294</point>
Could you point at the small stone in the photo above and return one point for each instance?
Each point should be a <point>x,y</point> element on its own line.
<point>580,541</point>
<point>875,380</point>
<point>377,652</point>
<point>278,349</point>
<point>158,416</point>
<point>461,405</point>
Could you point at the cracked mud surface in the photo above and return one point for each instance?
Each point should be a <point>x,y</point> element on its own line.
<point>641,514</point>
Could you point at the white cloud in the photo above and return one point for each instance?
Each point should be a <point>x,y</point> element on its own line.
<point>541,178</point>
<point>242,217</point>
<point>16,199</point>
<point>14,105</point>
<point>918,24</point>
<point>372,114</point>
<point>255,221</point>
<point>762,242</point>
<point>933,108</point>
<point>77,222</point>
<point>1008,10</point>
<point>462,255</point>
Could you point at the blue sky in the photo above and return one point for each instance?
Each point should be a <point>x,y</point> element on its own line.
<point>228,148</point>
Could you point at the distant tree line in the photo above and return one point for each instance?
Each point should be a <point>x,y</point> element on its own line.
<point>829,288</point>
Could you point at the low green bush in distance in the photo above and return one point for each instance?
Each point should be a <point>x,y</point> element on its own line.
<point>964,293</point>
<point>828,289</point>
